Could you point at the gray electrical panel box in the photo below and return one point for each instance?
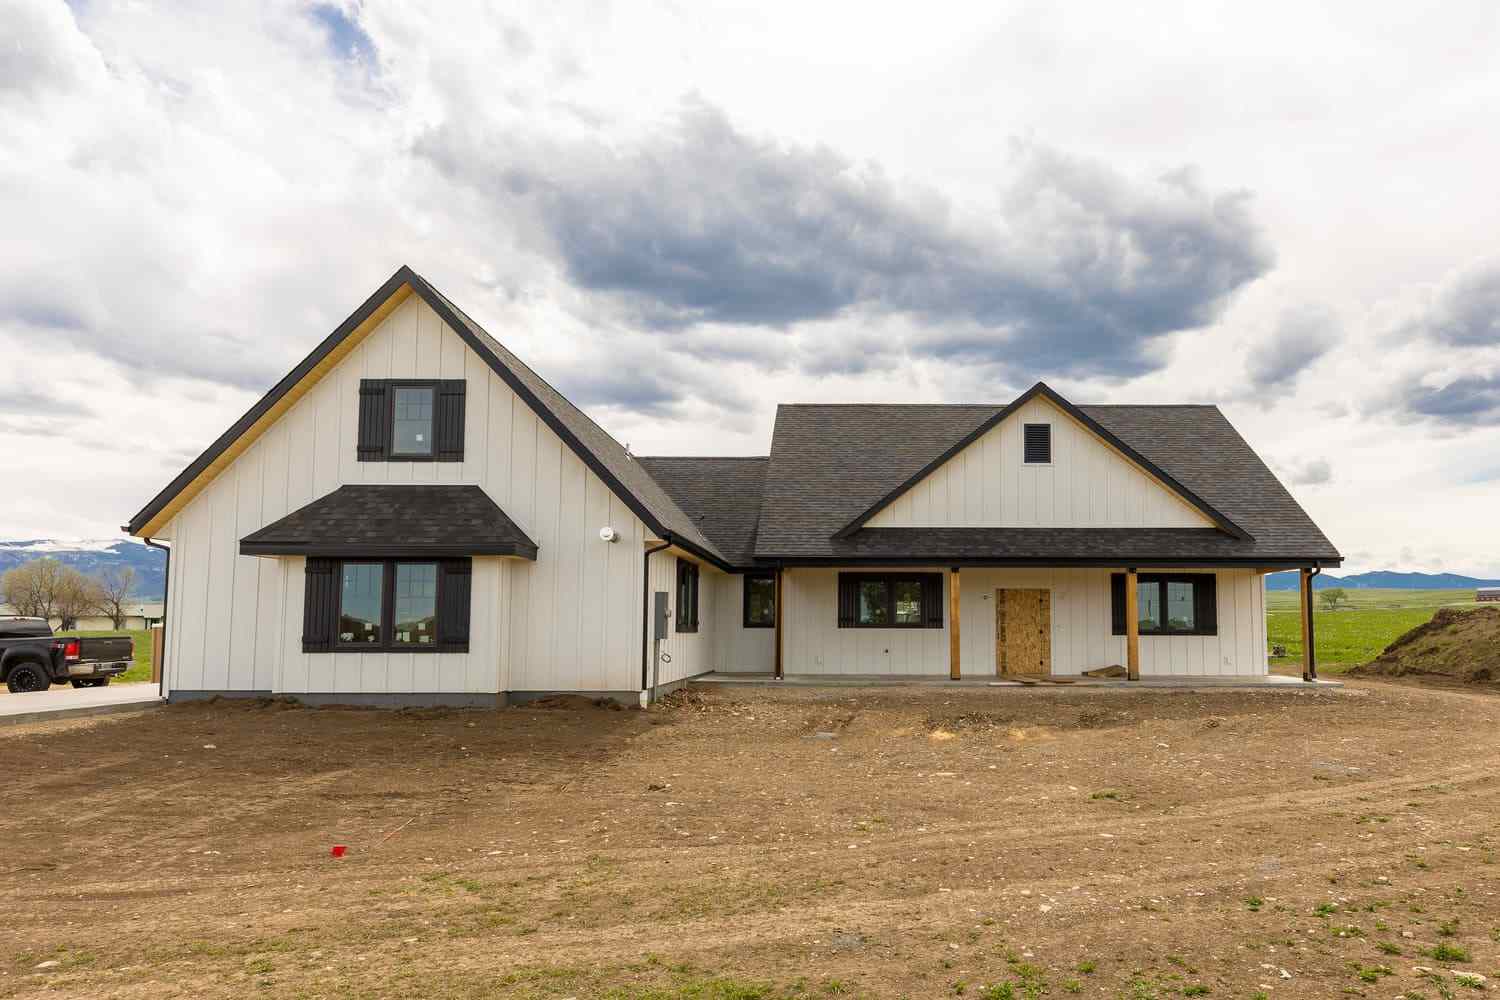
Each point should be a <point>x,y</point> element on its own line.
<point>659,616</point>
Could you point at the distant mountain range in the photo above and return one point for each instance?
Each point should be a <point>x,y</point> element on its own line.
<point>1382,579</point>
<point>92,556</point>
<point>95,555</point>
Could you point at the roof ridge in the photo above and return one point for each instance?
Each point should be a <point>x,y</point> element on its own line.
<point>717,458</point>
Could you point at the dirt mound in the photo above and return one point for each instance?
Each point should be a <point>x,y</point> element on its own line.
<point>1457,644</point>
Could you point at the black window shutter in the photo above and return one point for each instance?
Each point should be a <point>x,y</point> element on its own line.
<point>448,421</point>
<point>695,578</point>
<point>1206,604</point>
<point>374,420</point>
<point>320,606</point>
<point>848,600</point>
<point>932,600</point>
<point>454,592</point>
<point>1117,603</point>
<point>1038,443</point>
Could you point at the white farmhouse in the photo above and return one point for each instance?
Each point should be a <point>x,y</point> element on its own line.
<point>414,516</point>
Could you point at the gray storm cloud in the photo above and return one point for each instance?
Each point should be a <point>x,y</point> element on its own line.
<point>1076,270</point>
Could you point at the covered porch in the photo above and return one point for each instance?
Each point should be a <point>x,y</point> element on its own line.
<point>1144,622</point>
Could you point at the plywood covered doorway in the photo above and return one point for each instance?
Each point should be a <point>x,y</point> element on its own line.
<point>1023,632</point>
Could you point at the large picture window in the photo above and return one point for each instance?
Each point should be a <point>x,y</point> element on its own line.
<point>1168,603</point>
<point>890,600</point>
<point>760,600</point>
<point>391,605</point>
<point>687,596</point>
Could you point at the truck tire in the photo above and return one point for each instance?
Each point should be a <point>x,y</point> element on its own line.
<point>91,682</point>
<point>27,677</point>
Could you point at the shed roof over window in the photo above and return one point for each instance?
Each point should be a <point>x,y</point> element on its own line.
<point>394,522</point>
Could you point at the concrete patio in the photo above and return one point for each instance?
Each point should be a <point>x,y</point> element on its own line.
<point>1262,682</point>
<point>67,702</point>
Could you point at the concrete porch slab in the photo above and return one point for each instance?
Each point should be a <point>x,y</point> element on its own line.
<point>69,703</point>
<point>1268,681</point>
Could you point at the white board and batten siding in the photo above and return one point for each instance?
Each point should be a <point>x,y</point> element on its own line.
<point>722,643</point>
<point>738,649</point>
<point>569,621</point>
<point>1081,639</point>
<point>1088,484</point>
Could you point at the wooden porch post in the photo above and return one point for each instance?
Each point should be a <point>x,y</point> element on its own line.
<point>1309,653</point>
<point>780,670</point>
<point>1132,627</point>
<point>954,667</point>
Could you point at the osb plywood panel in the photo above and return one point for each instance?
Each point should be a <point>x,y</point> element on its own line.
<point>1023,632</point>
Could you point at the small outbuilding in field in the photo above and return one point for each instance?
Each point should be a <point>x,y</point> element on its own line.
<point>1487,594</point>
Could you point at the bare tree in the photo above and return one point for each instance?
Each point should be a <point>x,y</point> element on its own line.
<point>77,595</point>
<point>32,588</point>
<point>114,587</point>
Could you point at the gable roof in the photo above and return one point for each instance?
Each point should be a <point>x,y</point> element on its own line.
<point>362,520</point>
<point>1048,393</point>
<point>721,495</point>
<point>834,464</point>
<point>605,456</point>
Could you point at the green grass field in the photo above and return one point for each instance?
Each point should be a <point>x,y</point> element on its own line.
<point>140,670</point>
<point>1360,629</point>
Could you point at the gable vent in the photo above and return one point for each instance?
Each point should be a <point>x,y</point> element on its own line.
<point>1038,448</point>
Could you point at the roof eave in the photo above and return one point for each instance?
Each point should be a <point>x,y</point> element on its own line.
<point>1095,562</point>
<point>382,551</point>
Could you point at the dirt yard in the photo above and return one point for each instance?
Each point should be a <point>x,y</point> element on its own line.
<point>747,844</point>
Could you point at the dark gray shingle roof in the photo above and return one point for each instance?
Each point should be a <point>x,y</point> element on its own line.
<point>394,521</point>
<point>721,495</point>
<point>830,463</point>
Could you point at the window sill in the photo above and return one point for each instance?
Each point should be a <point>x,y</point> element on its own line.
<point>1169,635</point>
<point>424,650</point>
<point>901,628</point>
<point>758,625</point>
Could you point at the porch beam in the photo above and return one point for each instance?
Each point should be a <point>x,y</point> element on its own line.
<point>954,667</point>
<point>1132,627</point>
<point>1309,635</point>
<point>780,670</point>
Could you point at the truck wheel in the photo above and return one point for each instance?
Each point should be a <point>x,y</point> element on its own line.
<point>28,677</point>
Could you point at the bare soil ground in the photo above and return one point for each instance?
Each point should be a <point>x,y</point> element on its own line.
<point>755,843</point>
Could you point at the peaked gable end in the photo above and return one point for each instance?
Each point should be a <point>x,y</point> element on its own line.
<point>1008,472</point>
<point>599,452</point>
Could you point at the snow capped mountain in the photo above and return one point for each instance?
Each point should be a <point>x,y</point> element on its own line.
<point>92,556</point>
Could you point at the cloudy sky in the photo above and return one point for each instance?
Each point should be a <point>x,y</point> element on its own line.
<point>684,212</point>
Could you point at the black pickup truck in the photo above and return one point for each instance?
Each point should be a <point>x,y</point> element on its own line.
<point>33,659</point>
